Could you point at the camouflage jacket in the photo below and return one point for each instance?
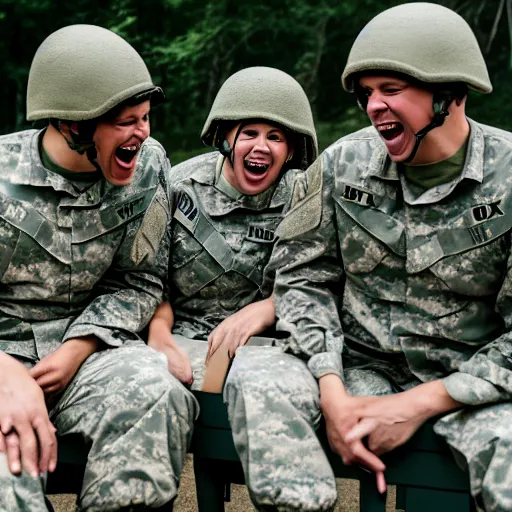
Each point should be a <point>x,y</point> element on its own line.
<point>221,242</point>
<point>372,267</point>
<point>77,259</point>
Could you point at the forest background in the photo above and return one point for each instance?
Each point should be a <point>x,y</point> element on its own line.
<point>192,46</point>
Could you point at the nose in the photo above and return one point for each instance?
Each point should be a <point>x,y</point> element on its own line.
<point>376,103</point>
<point>261,144</point>
<point>142,130</point>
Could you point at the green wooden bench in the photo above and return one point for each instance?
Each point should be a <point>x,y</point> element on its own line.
<point>426,475</point>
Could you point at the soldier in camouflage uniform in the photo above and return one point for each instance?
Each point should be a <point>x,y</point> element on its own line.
<point>83,214</point>
<point>394,271</point>
<point>229,204</point>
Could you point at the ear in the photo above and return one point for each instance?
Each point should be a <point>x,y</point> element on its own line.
<point>74,128</point>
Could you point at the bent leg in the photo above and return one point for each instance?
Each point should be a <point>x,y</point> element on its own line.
<point>483,436</point>
<point>273,407</point>
<point>138,419</point>
<point>20,493</point>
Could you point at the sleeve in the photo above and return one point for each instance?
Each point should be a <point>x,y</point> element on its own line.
<point>309,276</point>
<point>132,288</point>
<point>487,376</point>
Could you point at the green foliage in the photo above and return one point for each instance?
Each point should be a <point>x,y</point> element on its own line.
<point>192,46</point>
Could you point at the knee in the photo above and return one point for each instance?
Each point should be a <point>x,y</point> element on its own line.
<point>141,376</point>
<point>268,371</point>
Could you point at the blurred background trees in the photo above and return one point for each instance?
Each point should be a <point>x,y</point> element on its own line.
<point>192,46</point>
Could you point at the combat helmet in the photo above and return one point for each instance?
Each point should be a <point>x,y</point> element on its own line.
<point>80,72</point>
<point>263,93</point>
<point>427,42</point>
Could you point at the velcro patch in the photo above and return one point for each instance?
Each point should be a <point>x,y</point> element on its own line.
<point>483,212</point>
<point>357,195</point>
<point>187,213</point>
<point>257,233</point>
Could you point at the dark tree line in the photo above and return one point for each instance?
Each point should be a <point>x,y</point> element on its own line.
<point>192,46</point>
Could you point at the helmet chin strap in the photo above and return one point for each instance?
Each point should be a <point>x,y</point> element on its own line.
<point>440,114</point>
<point>229,152</point>
<point>441,100</point>
<point>81,142</point>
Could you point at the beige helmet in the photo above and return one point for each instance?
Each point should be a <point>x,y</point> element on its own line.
<point>267,94</point>
<point>80,72</point>
<point>426,41</point>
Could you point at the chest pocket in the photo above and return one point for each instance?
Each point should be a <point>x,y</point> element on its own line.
<point>201,254</point>
<point>468,260</point>
<point>367,236</point>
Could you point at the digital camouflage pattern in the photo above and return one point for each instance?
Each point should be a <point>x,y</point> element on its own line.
<point>221,243</point>
<point>411,286</point>
<point>273,407</point>
<point>137,419</point>
<point>67,267</point>
<point>82,259</point>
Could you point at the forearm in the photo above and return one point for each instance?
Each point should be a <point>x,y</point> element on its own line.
<point>84,347</point>
<point>431,399</point>
<point>160,327</point>
<point>164,316</point>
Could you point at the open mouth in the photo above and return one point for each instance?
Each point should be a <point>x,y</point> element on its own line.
<point>390,131</point>
<point>127,153</point>
<point>257,168</point>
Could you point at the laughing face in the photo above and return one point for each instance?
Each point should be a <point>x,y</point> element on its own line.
<point>398,109</point>
<point>260,152</point>
<point>118,142</point>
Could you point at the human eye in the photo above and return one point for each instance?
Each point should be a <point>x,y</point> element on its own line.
<point>276,137</point>
<point>127,122</point>
<point>393,89</point>
<point>249,133</point>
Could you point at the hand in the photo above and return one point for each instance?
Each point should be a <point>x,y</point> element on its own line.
<point>161,339</point>
<point>341,415</point>
<point>390,421</point>
<point>55,371</point>
<point>26,433</point>
<point>236,330</point>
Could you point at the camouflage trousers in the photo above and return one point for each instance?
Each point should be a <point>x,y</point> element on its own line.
<point>273,406</point>
<point>138,421</point>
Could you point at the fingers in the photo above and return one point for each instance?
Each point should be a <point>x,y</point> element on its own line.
<point>381,482</point>
<point>47,444</point>
<point>214,342</point>
<point>12,450</point>
<point>236,343</point>
<point>39,369</point>
<point>46,380</point>
<point>364,456</point>
<point>362,429</point>
<point>28,446</point>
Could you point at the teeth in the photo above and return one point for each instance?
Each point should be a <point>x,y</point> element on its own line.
<point>384,127</point>
<point>127,153</point>
<point>255,167</point>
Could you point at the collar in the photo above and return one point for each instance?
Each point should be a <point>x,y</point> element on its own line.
<point>31,171</point>
<point>219,198</point>
<point>473,169</point>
